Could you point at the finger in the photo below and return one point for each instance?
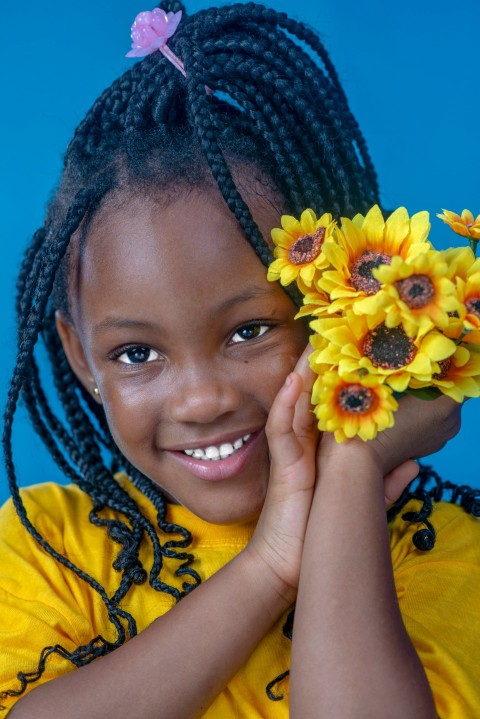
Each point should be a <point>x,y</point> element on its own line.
<point>398,479</point>
<point>283,444</point>
<point>303,366</point>
<point>304,424</point>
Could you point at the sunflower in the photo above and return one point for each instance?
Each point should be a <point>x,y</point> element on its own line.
<point>415,293</point>
<point>458,376</point>
<point>355,346</point>
<point>365,243</point>
<point>352,405</point>
<point>298,248</point>
<point>464,270</point>
<point>465,224</point>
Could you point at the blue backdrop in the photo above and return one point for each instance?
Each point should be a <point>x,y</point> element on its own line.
<point>410,70</point>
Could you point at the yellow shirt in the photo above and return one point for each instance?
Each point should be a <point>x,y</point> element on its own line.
<point>42,603</point>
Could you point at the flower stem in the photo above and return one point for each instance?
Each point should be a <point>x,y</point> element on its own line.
<point>473,244</point>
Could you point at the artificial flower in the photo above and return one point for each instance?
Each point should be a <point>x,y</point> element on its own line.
<point>363,244</point>
<point>298,248</point>
<point>352,405</point>
<point>151,30</point>
<point>389,313</point>
<point>354,346</point>
<point>415,293</point>
<point>464,270</point>
<point>464,224</point>
<point>458,376</point>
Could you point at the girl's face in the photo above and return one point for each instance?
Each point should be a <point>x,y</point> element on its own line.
<point>188,343</point>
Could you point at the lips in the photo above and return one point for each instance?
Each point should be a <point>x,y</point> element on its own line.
<point>204,463</point>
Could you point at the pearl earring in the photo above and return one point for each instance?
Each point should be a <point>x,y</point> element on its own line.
<point>96,392</point>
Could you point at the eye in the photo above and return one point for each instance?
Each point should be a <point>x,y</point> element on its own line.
<point>136,354</point>
<point>250,331</point>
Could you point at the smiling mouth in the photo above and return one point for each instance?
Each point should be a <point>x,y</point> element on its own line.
<point>214,452</point>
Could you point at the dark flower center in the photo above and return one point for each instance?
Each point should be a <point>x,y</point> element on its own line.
<point>355,399</point>
<point>389,347</point>
<point>307,247</point>
<point>444,368</point>
<point>473,306</point>
<point>416,291</point>
<point>361,273</point>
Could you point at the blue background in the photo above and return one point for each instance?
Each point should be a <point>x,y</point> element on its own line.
<point>410,70</point>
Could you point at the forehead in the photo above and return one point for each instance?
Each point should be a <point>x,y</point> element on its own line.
<point>191,250</point>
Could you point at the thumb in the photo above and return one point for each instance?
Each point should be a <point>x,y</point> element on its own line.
<point>398,479</point>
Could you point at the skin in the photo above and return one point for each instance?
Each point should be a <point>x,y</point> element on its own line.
<point>321,507</point>
<point>202,383</point>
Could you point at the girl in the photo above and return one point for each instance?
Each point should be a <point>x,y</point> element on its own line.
<point>186,427</point>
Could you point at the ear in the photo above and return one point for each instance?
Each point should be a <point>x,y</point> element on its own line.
<point>73,349</point>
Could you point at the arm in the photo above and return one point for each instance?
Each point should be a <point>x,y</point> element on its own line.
<point>209,634</point>
<point>351,654</point>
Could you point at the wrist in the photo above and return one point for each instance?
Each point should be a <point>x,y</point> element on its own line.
<point>355,458</point>
<point>260,566</point>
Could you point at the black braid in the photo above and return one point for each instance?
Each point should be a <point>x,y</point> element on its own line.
<point>268,105</point>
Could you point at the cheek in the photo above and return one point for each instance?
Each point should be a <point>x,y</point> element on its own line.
<point>129,417</point>
<point>279,366</point>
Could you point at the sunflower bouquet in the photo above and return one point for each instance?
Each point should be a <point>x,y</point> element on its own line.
<point>390,314</point>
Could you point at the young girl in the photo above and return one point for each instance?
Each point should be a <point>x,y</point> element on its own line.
<point>186,428</point>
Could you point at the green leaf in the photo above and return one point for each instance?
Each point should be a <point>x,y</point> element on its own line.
<point>425,393</point>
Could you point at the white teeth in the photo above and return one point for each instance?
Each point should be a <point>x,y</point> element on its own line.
<point>215,453</point>
<point>212,453</point>
<point>226,450</point>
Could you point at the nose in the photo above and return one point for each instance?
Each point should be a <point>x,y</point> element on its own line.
<point>203,393</point>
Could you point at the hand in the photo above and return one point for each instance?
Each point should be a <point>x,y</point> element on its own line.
<point>292,438</point>
<point>398,479</point>
<point>422,427</point>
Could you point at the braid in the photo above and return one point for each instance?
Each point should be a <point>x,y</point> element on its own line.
<point>252,97</point>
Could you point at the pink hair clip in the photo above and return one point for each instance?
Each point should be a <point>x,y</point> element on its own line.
<point>150,32</point>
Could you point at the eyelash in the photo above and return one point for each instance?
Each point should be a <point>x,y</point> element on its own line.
<point>265,326</point>
<point>116,354</point>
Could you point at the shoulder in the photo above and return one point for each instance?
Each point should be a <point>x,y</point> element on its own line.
<point>457,535</point>
<point>439,593</point>
<point>53,509</point>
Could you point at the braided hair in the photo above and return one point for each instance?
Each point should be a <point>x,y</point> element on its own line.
<point>260,91</point>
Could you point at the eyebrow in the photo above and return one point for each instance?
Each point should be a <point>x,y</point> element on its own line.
<point>115,323</point>
<point>250,292</point>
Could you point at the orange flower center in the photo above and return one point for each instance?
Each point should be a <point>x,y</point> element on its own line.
<point>307,247</point>
<point>355,399</point>
<point>389,347</point>
<point>473,306</point>
<point>444,368</point>
<point>416,291</point>
<point>361,273</point>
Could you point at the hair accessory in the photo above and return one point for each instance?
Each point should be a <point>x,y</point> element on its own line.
<point>150,32</point>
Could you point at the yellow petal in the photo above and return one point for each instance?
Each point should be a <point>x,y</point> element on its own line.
<point>374,226</point>
<point>437,346</point>
<point>467,217</point>
<point>397,228</point>
<point>291,225</point>
<point>420,226</point>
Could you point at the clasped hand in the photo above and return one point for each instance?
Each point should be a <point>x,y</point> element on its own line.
<point>299,456</point>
